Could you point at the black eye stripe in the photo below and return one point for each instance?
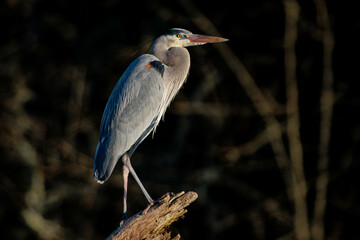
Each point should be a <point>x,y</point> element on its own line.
<point>175,32</point>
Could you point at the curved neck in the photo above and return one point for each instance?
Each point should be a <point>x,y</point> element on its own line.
<point>176,71</point>
<point>177,57</point>
<point>177,64</point>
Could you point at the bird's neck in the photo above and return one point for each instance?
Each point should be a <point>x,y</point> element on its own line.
<point>177,64</point>
<point>176,71</point>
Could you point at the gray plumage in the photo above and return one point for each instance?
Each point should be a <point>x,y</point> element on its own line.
<point>140,99</point>
<point>130,114</point>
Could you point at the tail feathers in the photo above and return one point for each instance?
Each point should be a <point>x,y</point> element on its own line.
<point>104,163</point>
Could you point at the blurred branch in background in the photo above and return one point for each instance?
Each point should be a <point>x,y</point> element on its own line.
<point>77,79</point>
<point>233,154</point>
<point>301,224</point>
<point>326,111</point>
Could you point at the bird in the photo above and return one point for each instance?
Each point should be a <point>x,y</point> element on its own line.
<point>139,101</point>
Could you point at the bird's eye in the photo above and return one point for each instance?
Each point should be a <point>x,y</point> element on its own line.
<point>179,35</point>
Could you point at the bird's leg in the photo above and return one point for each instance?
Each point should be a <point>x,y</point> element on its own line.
<point>126,161</point>
<point>125,177</point>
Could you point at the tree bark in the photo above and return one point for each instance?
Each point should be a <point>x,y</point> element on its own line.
<point>158,218</point>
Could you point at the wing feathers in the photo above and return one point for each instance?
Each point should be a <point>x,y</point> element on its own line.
<point>130,114</point>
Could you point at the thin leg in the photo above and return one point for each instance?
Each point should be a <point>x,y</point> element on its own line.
<point>126,162</point>
<point>125,177</point>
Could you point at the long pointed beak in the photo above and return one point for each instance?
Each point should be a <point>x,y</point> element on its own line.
<point>202,39</point>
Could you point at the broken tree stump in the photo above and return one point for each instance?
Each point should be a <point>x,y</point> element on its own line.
<point>155,223</point>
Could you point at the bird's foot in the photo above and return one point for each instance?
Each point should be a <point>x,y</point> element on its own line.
<point>124,219</point>
<point>147,208</point>
<point>168,194</point>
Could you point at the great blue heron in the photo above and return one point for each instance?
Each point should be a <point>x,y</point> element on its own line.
<point>140,99</point>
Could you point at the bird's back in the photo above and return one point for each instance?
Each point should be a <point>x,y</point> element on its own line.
<point>130,114</point>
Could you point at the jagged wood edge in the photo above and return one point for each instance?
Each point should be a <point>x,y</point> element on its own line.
<point>154,224</point>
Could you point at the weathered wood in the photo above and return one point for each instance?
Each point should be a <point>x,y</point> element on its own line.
<point>155,223</point>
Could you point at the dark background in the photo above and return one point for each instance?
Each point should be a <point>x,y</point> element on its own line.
<point>59,61</point>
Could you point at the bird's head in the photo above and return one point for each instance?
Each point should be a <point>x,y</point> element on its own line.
<point>177,37</point>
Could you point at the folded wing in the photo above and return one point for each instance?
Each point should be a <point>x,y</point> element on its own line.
<point>130,114</point>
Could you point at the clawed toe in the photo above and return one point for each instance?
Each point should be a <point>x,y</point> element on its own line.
<point>168,194</point>
<point>124,219</point>
<point>147,208</point>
